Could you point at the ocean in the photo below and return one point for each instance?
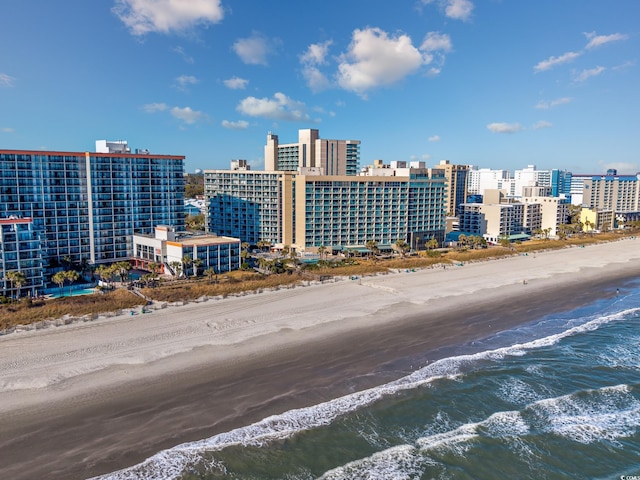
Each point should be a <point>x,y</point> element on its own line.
<point>558,398</point>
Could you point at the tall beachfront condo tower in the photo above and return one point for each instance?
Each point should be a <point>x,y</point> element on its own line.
<point>617,193</point>
<point>333,157</point>
<point>308,210</point>
<point>456,193</point>
<point>20,251</point>
<point>86,206</point>
<point>247,204</point>
<point>561,183</point>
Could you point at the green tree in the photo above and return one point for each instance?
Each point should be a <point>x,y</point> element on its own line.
<point>194,222</point>
<point>264,245</point>
<point>402,246</point>
<point>322,251</point>
<point>431,244</point>
<point>177,267</point>
<point>59,278</point>
<point>187,261</point>
<point>244,251</point>
<point>193,185</point>
<point>71,276</point>
<point>372,246</point>
<point>210,273</point>
<point>17,279</point>
<point>122,270</point>
<point>197,263</point>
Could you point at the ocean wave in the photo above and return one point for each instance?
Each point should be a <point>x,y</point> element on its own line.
<point>172,462</point>
<point>586,416</point>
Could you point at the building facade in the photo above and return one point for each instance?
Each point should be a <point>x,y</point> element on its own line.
<point>246,204</point>
<point>308,210</point>
<point>86,206</point>
<point>20,251</point>
<point>456,193</point>
<point>334,157</point>
<point>612,192</point>
<point>166,248</point>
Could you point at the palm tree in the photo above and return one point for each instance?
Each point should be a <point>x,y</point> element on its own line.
<point>122,270</point>
<point>71,276</point>
<point>402,246</point>
<point>462,240</point>
<point>101,272</point>
<point>187,261</point>
<point>372,246</point>
<point>244,252</point>
<point>431,244</point>
<point>263,245</point>
<point>177,267</point>
<point>59,278</point>
<point>322,251</point>
<point>17,279</point>
<point>197,263</point>
<point>210,273</point>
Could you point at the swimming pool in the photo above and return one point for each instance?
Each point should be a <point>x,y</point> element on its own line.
<point>64,292</point>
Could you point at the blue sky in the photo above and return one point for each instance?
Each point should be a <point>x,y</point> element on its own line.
<point>493,83</point>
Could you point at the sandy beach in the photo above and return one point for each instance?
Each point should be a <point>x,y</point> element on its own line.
<point>92,397</point>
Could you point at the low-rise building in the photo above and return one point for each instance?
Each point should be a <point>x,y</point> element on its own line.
<point>166,249</point>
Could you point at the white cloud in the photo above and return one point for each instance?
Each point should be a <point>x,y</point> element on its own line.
<point>435,41</point>
<point>280,107</point>
<point>316,80</point>
<point>7,130</point>
<point>542,124</point>
<point>456,9</point>
<point>155,107</point>
<point>239,125</point>
<point>184,80</point>
<point>585,74</point>
<point>599,40</point>
<point>426,156</point>
<point>553,61</point>
<point>374,59</point>
<point>434,138</point>
<point>6,80</point>
<point>164,16</point>
<point>254,49</point>
<point>180,51</point>
<point>236,83</point>
<point>187,114</point>
<point>544,105</point>
<point>624,66</point>
<point>501,127</point>
<point>315,55</point>
<point>622,167</point>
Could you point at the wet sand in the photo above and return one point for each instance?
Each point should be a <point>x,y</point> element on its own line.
<point>88,399</point>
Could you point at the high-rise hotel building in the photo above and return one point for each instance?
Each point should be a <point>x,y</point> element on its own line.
<point>307,209</point>
<point>334,157</point>
<point>85,206</point>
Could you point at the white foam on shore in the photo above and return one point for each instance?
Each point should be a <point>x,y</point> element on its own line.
<point>170,463</point>
<point>588,416</point>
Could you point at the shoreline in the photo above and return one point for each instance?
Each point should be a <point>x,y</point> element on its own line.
<point>268,355</point>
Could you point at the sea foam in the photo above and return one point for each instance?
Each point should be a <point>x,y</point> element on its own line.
<point>172,462</point>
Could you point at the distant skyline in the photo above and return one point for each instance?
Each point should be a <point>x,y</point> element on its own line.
<point>493,83</point>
